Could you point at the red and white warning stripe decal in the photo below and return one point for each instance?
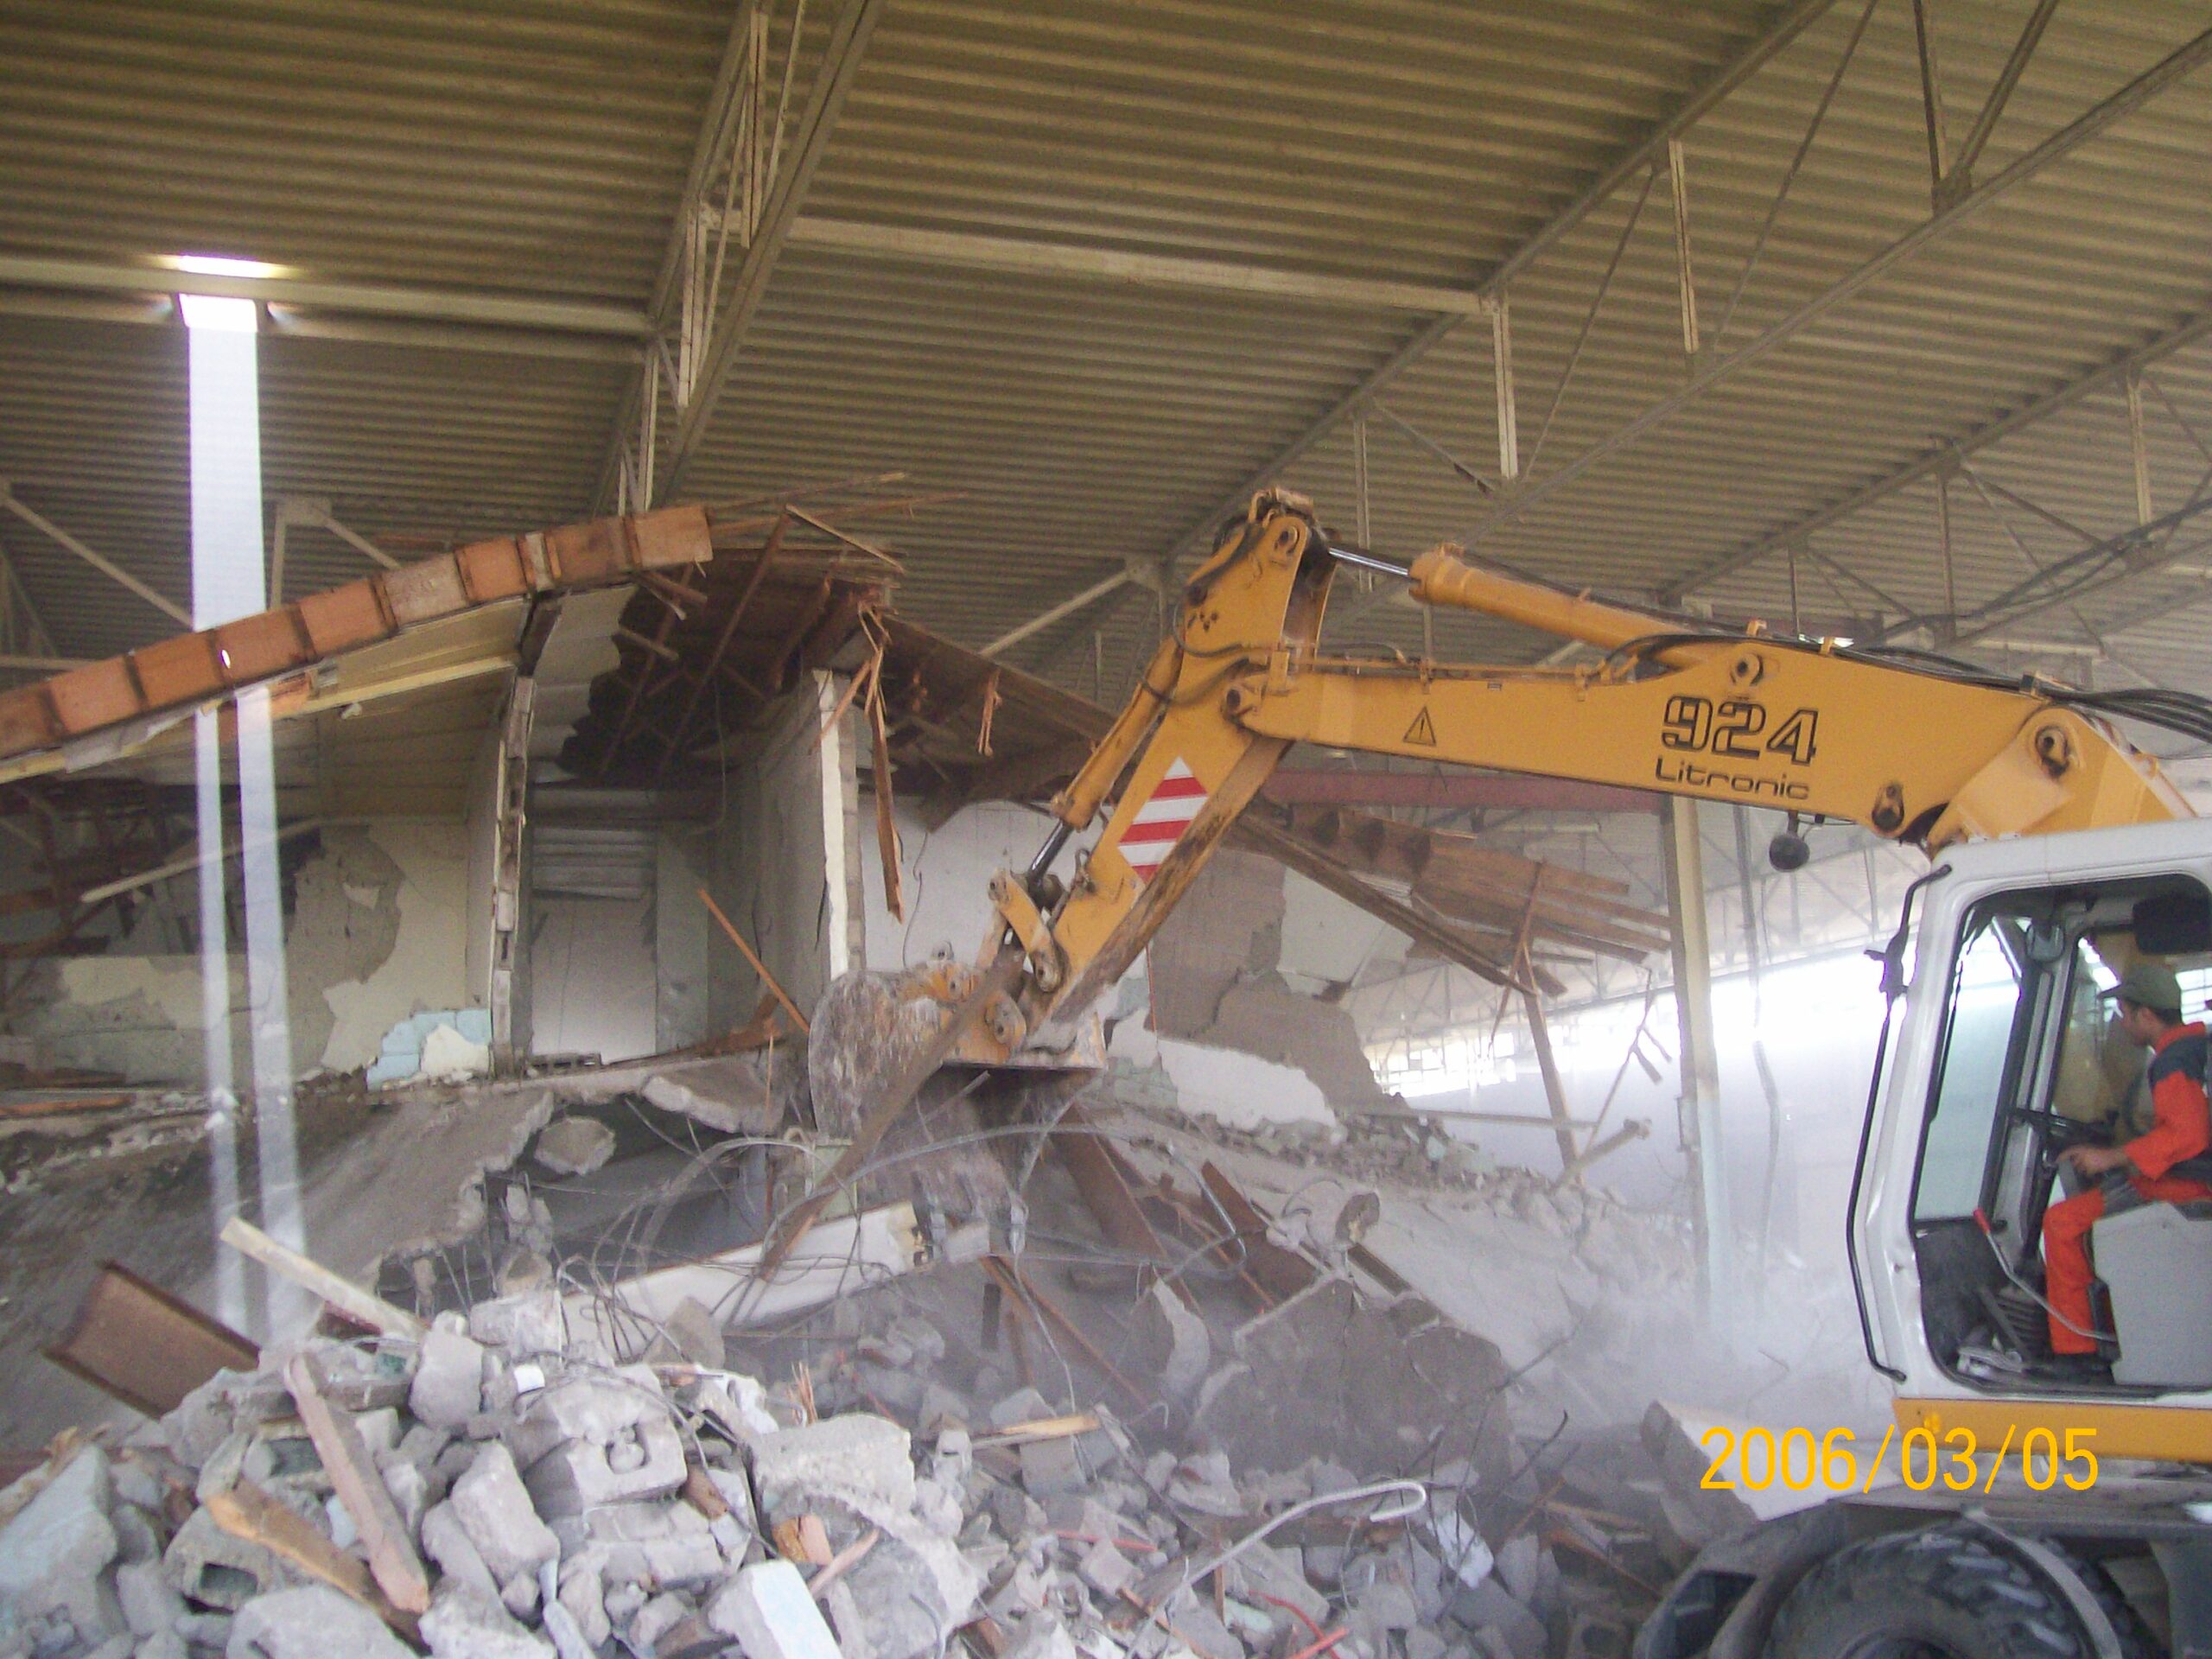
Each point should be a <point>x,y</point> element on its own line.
<point>1160,822</point>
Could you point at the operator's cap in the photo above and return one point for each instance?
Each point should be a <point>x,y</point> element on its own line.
<point>2149,985</point>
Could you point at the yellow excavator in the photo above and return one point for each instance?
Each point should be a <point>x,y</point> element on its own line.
<point>2058,850</point>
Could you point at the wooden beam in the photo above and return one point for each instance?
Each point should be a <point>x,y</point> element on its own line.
<point>1477,791</point>
<point>1318,868</point>
<point>1539,1037</point>
<point>246,1511</point>
<point>397,1569</point>
<point>731,623</point>
<point>1099,1183</point>
<point>1023,777</point>
<point>343,1295</point>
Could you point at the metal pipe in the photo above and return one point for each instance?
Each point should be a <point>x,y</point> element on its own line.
<point>1360,559</point>
<point>1051,849</point>
<point>1441,577</point>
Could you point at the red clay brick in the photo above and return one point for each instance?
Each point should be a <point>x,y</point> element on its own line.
<point>491,570</point>
<point>179,670</point>
<point>26,720</point>
<point>259,646</point>
<point>98,694</point>
<point>672,536</point>
<point>591,551</point>
<point>344,617</point>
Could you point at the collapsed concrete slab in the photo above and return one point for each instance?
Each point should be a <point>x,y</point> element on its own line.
<point>1329,1373</point>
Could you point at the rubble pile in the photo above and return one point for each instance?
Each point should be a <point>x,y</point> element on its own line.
<point>1103,1404</point>
<point>1394,1145</point>
<point>496,1486</point>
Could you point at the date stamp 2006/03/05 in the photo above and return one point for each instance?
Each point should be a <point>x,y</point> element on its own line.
<point>1757,1458</point>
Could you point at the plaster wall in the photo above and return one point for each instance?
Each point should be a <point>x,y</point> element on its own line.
<point>592,986</point>
<point>1224,997</point>
<point>683,862</point>
<point>377,932</point>
<point>784,853</point>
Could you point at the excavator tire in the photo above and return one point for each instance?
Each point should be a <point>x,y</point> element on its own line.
<point>1947,1593</point>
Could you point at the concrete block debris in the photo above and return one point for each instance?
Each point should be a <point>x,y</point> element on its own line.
<point>887,1447</point>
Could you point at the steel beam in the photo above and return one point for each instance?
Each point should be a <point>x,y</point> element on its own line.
<point>1682,851</point>
<point>1066,607</point>
<point>105,566</point>
<point>1024,257</point>
<point>1930,461</point>
<point>159,311</point>
<point>2092,122</point>
<point>659,312</point>
<point>1960,176</point>
<point>833,78</point>
<point>456,305</point>
<point>1634,161</point>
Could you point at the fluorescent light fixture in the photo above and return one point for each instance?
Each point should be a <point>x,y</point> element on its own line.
<point>213,264</point>
<point>221,315</point>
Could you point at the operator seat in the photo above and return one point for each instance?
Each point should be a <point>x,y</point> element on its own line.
<point>2156,1261</point>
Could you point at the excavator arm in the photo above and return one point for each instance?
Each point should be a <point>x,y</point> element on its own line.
<point>1921,753</point>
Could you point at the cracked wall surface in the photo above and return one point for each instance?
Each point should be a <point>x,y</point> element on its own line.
<point>375,934</point>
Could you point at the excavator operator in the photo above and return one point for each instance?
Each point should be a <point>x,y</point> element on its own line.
<point>2158,1166</point>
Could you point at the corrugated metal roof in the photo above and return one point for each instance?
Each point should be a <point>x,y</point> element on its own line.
<point>540,149</point>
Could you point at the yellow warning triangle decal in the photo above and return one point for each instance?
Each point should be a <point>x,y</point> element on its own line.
<point>1421,731</point>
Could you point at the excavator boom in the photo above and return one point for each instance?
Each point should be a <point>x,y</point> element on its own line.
<point>1922,754</point>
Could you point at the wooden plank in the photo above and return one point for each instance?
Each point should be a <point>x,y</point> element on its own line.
<point>343,1295</point>
<point>1022,777</point>
<point>1324,871</point>
<point>759,966</point>
<point>149,1348</point>
<point>248,1512</point>
<point>1104,1194</point>
<point>1283,1273</point>
<point>1540,1036</point>
<point>1497,915</point>
<point>397,1569</point>
<point>58,1108</point>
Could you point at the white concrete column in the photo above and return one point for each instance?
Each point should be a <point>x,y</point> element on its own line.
<point>1682,851</point>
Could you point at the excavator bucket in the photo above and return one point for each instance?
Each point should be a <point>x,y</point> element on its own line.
<point>915,1118</point>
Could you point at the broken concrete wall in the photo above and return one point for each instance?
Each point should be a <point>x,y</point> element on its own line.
<point>483,837</point>
<point>683,860</point>
<point>1229,925</point>
<point>1229,1085</point>
<point>1222,975</point>
<point>1220,987</point>
<point>785,855</point>
<point>946,875</point>
<point>424,867</point>
<point>376,932</point>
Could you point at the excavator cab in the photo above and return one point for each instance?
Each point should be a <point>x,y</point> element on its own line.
<point>2007,1056</point>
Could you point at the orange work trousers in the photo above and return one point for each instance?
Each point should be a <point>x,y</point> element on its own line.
<point>2067,1276</point>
